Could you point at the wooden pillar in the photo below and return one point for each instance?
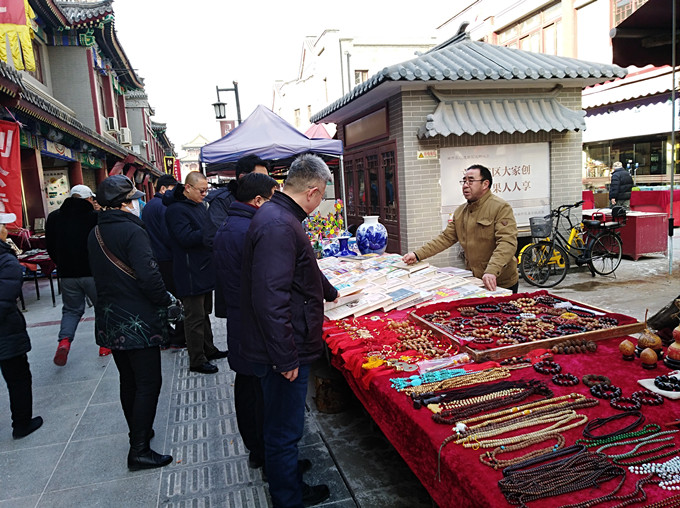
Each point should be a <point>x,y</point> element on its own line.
<point>75,173</point>
<point>33,185</point>
<point>101,173</point>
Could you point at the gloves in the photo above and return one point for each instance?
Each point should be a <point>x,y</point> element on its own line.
<point>175,310</point>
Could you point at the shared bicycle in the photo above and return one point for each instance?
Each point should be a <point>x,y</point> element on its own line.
<point>594,243</point>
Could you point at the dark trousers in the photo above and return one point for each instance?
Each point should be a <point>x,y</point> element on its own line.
<point>248,401</point>
<point>176,332</point>
<point>140,385</point>
<point>17,374</point>
<point>284,422</point>
<point>197,329</point>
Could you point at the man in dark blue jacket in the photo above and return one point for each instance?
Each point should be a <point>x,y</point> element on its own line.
<point>621,186</point>
<point>253,191</point>
<point>282,296</point>
<point>154,220</point>
<point>193,268</point>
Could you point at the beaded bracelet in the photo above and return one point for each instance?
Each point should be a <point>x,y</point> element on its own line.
<point>591,380</point>
<point>494,321</point>
<point>608,321</point>
<point>467,311</point>
<point>667,383</point>
<point>547,367</point>
<point>565,379</point>
<point>487,307</point>
<point>483,340</point>
<point>517,337</point>
<point>508,308</point>
<point>506,341</point>
<point>605,391</point>
<point>625,403</point>
<point>569,329</point>
<point>478,321</point>
<point>648,398</point>
<point>482,333</point>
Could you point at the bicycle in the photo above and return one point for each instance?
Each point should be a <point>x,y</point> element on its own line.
<point>594,243</point>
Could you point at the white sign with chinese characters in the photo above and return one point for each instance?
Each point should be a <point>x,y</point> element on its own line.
<point>520,172</point>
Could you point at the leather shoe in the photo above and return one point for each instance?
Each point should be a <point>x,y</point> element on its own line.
<point>314,494</point>
<point>148,459</point>
<point>217,355</point>
<point>205,368</point>
<point>254,462</point>
<point>32,426</point>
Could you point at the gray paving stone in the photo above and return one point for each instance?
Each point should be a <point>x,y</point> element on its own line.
<point>34,463</point>
<point>139,491</point>
<point>58,426</point>
<point>23,502</point>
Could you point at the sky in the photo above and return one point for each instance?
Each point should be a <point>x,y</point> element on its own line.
<point>183,50</point>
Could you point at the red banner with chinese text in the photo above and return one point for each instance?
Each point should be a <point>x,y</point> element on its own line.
<point>178,171</point>
<point>10,171</point>
<point>12,12</point>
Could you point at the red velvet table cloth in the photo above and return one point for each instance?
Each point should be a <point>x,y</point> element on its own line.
<point>464,481</point>
<point>655,201</point>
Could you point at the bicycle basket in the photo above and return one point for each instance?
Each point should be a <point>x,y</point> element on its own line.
<point>540,226</point>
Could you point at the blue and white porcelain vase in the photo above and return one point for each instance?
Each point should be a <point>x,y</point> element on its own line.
<point>344,249</point>
<point>371,236</point>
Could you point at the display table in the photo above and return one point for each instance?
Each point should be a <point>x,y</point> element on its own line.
<point>644,232</point>
<point>656,201</point>
<point>42,259</point>
<point>458,478</point>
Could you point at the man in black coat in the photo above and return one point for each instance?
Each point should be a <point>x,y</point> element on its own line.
<point>282,292</point>
<point>621,186</point>
<point>14,340</point>
<point>157,228</point>
<point>193,268</point>
<point>66,232</point>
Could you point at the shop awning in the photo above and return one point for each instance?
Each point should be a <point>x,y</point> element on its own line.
<point>472,116</point>
<point>644,37</point>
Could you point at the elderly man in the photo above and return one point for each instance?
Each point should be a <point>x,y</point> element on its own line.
<point>66,232</point>
<point>193,268</point>
<point>621,186</point>
<point>282,294</point>
<point>486,229</point>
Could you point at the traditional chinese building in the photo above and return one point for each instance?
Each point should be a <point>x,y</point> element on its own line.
<point>410,131</point>
<point>71,106</point>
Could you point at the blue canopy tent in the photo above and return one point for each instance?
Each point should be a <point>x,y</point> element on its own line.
<point>271,138</point>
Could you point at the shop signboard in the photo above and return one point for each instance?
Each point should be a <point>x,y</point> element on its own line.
<point>10,171</point>
<point>57,187</point>
<point>57,150</point>
<point>520,172</point>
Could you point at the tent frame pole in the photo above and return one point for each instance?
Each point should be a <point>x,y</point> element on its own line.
<point>673,95</point>
<point>342,190</point>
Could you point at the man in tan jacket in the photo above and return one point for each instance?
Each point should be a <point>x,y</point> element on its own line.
<point>486,229</point>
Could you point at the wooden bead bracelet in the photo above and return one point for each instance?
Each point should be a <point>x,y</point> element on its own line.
<point>547,367</point>
<point>591,380</point>
<point>625,403</point>
<point>667,383</point>
<point>605,391</point>
<point>648,398</point>
<point>565,379</point>
<point>487,307</point>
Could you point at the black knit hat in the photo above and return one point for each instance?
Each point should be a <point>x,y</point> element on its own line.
<point>115,190</point>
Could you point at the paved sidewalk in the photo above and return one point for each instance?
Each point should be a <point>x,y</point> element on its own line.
<point>78,457</point>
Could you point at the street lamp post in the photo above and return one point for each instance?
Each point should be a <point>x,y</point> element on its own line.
<point>221,107</point>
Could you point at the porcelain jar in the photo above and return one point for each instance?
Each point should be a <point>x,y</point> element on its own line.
<point>371,236</point>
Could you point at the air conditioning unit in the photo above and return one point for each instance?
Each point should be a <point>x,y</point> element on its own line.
<point>111,123</point>
<point>136,149</point>
<point>125,136</point>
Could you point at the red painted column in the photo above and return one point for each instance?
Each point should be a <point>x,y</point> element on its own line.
<point>101,173</point>
<point>75,173</point>
<point>33,183</point>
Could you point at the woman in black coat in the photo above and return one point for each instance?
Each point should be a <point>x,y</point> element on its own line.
<point>131,311</point>
<point>14,341</point>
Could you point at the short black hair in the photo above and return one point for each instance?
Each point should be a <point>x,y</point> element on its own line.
<point>165,180</point>
<point>247,164</point>
<point>483,172</point>
<point>253,185</point>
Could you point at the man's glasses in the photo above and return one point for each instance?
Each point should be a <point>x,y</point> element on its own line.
<point>469,181</point>
<point>202,191</point>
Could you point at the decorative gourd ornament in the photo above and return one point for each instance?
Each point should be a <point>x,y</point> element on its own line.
<point>648,358</point>
<point>627,349</point>
<point>648,339</point>
<point>672,358</point>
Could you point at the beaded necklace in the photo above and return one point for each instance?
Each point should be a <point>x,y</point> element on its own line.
<point>447,406</point>
<point>654,438</point>
<point>650,428</point>
<point>471,378</point>
<point>401,383</point>
<point>489,458</point>
<point>668,471</point>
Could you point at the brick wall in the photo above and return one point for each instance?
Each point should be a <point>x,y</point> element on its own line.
<point>419,190</point>
<point>71,81</point>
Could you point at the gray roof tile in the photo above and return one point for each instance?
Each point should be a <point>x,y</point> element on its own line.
<point>519,114</point>
<point>464,59</point>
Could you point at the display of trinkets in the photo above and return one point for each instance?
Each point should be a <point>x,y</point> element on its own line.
<point>506,326</point>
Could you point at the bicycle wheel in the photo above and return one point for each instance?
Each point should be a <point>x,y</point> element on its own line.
<point>604,253</point>
<point>544,264</point>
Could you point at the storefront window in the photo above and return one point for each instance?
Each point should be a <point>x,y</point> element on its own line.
<point>361,187</point>
<point>388,167</point>
<point>645,159</point>
<point>372,167</point>
<point>540,32</point>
